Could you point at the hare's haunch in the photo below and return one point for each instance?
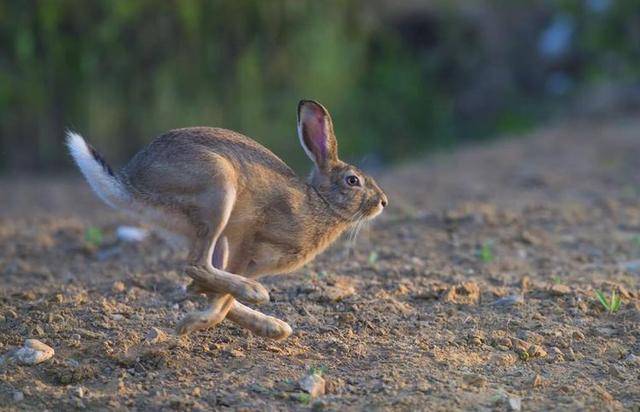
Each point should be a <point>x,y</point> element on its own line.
<point>244,211</point>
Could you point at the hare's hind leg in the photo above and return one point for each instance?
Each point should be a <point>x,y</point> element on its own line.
<point>258,322</point>
<point>219,304</point>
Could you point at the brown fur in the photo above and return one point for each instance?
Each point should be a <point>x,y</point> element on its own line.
<point>213,184</point>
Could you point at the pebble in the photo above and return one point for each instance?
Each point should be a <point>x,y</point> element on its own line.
<point>556,355</point>
<point>511,300</point>
<point>515,404</point>
<point>577,335</point>
<point>560,290</point>
<point>117,316</point>
<point>339,289</point>
<point>155,335</point>
<point>537,351</point>
<point>632,359</point>
<point>131,234</point>
<point>473,379</point>
<point>18,396</point>
<point>537,381</point>
<point>465,293</point>
<point>33,352</point>
<point>79,392</point>
<point>118,286</point>
<point>313,384</point>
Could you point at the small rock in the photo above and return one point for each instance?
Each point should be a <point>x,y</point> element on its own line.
<point>131,234</point>
<point>18,396</point>
<point>511,300</point>
<point>577,335</point>
<point>570,354</point>
<point>465,293</point>
<point>632,359</point>
<point>504,342</point>
<point>556,355</point>
<point>560,290</point>
<point>118,286</point>
<point>236,353</point>
<point>339,288</point>
<point>155,335</point>
<point>519,344</point>
<point>536,351</point>
<point>196,392</point>
<point>33,352</point>
<point>503,359</point>
<point>476,338</point>
<point>117,317</point>
<point>79,392</point>
<point>515,403</point>
<point>473,379</point>
<point>313,384</point>
<point>537,381</point>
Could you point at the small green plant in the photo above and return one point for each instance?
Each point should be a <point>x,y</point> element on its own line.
<point>317,370</point>
<point>486,252</point>
<point>303,398</point>
<point>557,280</point>
<point>373,257</point>
<point>611,305</point>
<point>93,236</point>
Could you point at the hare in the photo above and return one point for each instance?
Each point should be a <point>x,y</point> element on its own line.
<point>244,211</point>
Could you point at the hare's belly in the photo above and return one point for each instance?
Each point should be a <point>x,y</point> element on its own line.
<point>273,259</point>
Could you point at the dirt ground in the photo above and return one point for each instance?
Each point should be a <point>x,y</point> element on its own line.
<point>475,290</point>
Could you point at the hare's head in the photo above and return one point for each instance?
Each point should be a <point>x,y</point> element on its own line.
<point>347,189</point>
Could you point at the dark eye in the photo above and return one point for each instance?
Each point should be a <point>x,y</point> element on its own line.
<point>352,180</point>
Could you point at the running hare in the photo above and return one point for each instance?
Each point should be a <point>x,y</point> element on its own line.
<point>245,212</point>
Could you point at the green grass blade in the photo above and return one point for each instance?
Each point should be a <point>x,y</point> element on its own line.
<point>615,303</point>
<point>602,299</point>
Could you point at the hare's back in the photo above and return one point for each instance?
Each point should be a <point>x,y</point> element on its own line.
<point>182,158</point>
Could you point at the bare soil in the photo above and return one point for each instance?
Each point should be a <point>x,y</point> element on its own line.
<point>475,290</point>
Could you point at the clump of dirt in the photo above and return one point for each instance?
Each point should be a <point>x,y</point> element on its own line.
<point>476,289</point>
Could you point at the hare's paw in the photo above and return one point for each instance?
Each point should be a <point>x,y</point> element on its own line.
<point>276,329</point>
<point>195,321</point>
<point>254,292</point>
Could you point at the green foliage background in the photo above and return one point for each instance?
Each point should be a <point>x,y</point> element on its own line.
<point>397,82</point>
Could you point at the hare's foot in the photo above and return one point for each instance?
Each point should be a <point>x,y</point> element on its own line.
<point>221,281</point>
<point>258,323</point>
<point>216,312</point>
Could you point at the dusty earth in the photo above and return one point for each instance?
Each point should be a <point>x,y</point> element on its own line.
<point>475,290</point>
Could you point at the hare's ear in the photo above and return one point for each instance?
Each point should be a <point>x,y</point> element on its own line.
<point>315,131</point>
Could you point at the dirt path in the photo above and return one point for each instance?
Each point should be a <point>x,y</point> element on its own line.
<point>474,291</point>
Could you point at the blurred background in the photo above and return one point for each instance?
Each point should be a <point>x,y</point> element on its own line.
<point>400,77</point>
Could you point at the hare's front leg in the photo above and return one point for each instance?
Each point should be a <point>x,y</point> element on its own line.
<point>219,304</point>
<point>210,222</point>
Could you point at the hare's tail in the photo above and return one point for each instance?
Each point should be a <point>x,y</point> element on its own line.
<point>98,173</point>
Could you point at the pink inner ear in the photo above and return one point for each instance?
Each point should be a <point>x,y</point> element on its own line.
<point>314,125</point>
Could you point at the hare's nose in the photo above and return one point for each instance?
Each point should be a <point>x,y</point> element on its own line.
<point>384,201</point>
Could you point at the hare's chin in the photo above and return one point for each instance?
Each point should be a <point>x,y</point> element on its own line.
<point>375,213</point>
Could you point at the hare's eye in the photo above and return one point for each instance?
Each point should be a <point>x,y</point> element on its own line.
<point>352,180</point>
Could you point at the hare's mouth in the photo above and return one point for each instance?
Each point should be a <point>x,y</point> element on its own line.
<point>375,212</point>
